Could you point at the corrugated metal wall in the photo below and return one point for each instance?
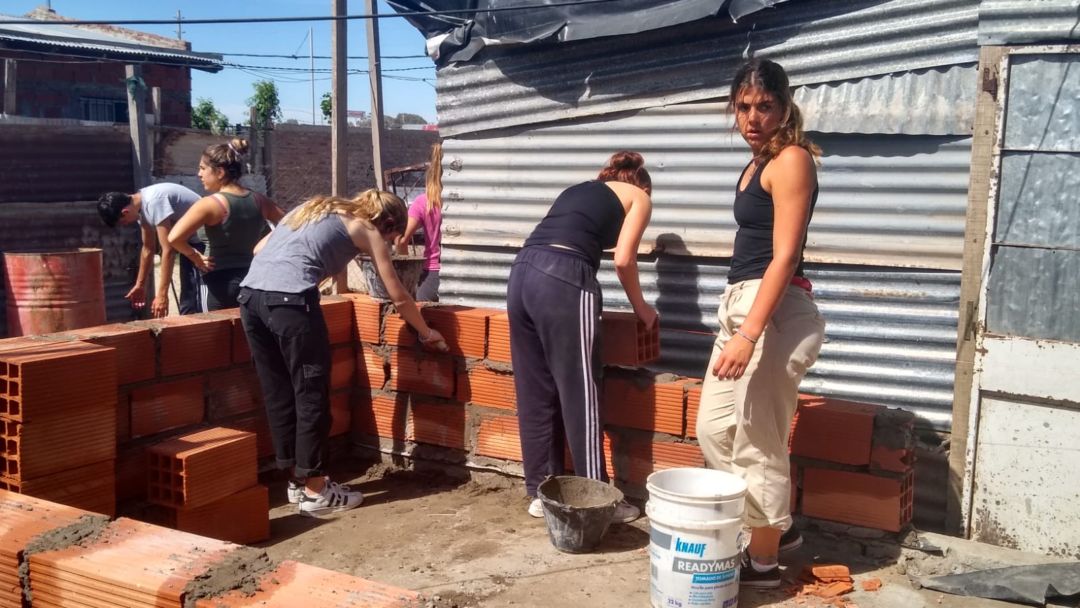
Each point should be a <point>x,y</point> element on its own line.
<point>815,41</point>
<point>1027,21</point>
<point>885,200</point>
<point>62,163</point>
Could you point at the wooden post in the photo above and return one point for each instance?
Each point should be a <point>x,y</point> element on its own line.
<point>155,102</point>
<point>140,140</point>
<point>9,86</point>
<point>375,77</point>
<point>339,132</point>
<point>982,152</point>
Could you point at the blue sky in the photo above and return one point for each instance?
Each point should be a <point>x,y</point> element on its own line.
<point>230,88</point>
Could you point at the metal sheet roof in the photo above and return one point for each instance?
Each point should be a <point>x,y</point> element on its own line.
<point>817,42</point>
<point>1027,21</point>
<point>945,98</point>
<point>885,200</point>
<point>54,37</point>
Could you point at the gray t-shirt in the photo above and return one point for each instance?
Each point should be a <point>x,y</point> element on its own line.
<point>294,261</point>
<point>166,201</point>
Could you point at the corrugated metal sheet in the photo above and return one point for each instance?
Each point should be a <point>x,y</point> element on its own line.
<point>887,200</point>
<point>945,98</point>
<point>59,225</point>
<point>1026,21</point>
<point>1034,292</point>
<point>1037,204</point>
<point>31,35</point>
<point>63,163</point>
<point>1043,112</point>
<point>815,41</point>
<point>891,334</point>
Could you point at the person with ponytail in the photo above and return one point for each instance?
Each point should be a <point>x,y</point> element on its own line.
<point>231,220</point>
<point>554,303</point>
<point>426,211</point>
<point>287,334</point>
<point>770,328</point>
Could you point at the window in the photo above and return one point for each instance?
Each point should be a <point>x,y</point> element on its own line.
<point>103,110</point>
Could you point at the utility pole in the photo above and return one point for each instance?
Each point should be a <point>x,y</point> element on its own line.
<point>375,74</point>
<point>179,32</point>
<point>311,57</point>
<point>338,131</point>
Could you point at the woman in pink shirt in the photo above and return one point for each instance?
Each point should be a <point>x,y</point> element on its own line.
<point>426,212</point>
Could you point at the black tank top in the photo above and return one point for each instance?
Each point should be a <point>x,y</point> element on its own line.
<point>753,241</point>
<point>587,217</point>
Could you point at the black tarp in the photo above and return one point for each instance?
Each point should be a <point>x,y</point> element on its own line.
<point>458,37</point>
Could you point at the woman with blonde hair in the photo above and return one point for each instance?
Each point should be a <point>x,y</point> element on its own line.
<point>281,315</point>
<point>770,328</point>
<point>231,220</point>
<point>426,211</point>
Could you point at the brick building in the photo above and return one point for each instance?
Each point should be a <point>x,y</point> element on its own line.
<point>77,71</point>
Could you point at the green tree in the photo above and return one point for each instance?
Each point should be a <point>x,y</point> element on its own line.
<point>205,116</point>
<point>405,118</point>
<point>266,104</point>
<point>326,104</point>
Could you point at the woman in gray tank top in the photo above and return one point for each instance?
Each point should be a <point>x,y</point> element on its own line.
<point>280,311</point>
<point>231,221</point>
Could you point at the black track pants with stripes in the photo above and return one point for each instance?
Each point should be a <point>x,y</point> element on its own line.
<point>554,304</point>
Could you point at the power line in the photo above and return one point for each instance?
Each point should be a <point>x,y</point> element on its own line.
<point>272,56</point>
<point>178,22</point>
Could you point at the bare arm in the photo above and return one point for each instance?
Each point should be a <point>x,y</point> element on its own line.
<point>790,178</point>
<point>270,211</point>
<point>137,294</point>
<point>206,211</point>
<point>160,306</point>
<point>626,249</point>
<point>368,240</point>
<point>404,240</point>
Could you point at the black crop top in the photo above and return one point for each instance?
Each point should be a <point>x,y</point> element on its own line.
<point>587,217</point>
<point>753,241</point>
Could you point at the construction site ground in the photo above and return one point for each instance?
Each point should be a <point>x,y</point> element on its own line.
<point>466,541</point>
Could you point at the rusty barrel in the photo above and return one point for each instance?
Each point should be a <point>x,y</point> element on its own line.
<point>51,291</point>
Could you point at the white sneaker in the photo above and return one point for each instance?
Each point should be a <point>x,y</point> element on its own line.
<point>333,498</point>
<point>295,489</point>
<point>536,508</point>
<point>625,513</point>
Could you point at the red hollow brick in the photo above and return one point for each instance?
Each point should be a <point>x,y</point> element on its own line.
<point>370,369</point>
<point>367,317</point>
<point>201,467</point>
<point>379,415</point>
<point>91,487</point>
<point>883,458</point>
<point>609,457</point>
<point>693,402</point>
<point>167,405</point>
<point>191,343</point>
<point>642,458</point>
<point>342,367</point>
<point>241,353</point>
<point>50,445</point>
<point>498,346</point>
<point>485,386</point>
<point>340,412</point>
<point>422,373</point>
<point>233,392</point>
<point>437,424</point>
<point>50,379</point>
<point>131,474</point>
<point>464,328</point>
<point>834,430</point>
<point>635,401</point>
<point>498,437</point>
<point>242,518</point>
<point>859,499</point>
<point>626,341</point>
<point>339,316</point>
<point>134,348</point>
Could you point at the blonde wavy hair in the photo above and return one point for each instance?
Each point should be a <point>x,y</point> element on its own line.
<point>433,178</point>
<point>770,77</point>
<point>385,210</point>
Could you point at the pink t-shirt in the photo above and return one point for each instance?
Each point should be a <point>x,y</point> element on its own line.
<point>432,225</point>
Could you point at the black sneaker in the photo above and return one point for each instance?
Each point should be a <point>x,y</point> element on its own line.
<point>748,577</point>
<point>790,540</point>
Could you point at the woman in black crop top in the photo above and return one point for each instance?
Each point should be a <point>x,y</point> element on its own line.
<point>554,303</point>
<point>770,329</point>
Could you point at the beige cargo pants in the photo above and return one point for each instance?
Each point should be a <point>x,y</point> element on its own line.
<point>743,424</point>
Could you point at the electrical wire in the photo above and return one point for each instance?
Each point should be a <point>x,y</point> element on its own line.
<point>181,21</point>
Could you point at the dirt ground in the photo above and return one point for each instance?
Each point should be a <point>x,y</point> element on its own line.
<point>469,543</point>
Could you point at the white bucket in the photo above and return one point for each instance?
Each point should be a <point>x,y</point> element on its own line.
<point>695,537</point>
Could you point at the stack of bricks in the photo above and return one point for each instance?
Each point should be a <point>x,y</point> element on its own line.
<point>58,422</point>
<point>854,463</point>
<point>206,483</point>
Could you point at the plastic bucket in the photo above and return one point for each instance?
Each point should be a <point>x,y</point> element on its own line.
<point>695,537</point>
<point>577,511</point>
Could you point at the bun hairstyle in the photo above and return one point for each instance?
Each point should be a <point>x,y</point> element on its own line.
<point>229,157</point>
<point>627,166</point>
<point>770,77</point>
<point>386,211</point>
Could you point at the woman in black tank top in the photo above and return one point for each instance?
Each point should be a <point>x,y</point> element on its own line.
<point>770,329</point>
